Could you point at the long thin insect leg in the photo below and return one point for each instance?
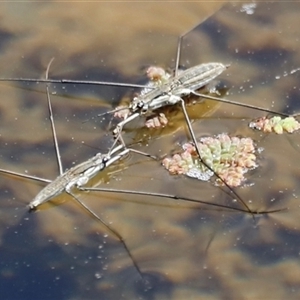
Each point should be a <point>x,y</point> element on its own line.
<point>112,148</point>
<point>189,123</point>
<point>202,161</point>
<point>120,137</point>
<point>117,132</point>
<point>179,43</point>
<point>25,176</point>
<point>54,135</point>
<point>71,81</point>
<point>114,232</point>
<point>224,100</point>
<point>178,55</point>
<point>178,50</point>
<point>121,124</point>
<point>178,198</point>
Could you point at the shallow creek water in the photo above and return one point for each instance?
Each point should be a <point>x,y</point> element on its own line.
<point>186,251</point>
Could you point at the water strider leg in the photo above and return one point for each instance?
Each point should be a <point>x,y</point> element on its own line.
<point>25,176</point>
<point>202,161</point>
<point>180,198</point>
<point>160,96</point>
<point>75,177</point>
<point>110,229</point>
<point>54,135</point>
<point>191,131</point>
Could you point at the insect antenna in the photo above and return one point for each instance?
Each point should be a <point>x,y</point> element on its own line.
<point>112,111</point>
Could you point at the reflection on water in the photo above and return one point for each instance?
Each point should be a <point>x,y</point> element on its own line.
<point>185,250</point>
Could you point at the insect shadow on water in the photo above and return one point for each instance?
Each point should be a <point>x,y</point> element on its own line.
<point>171,93</point>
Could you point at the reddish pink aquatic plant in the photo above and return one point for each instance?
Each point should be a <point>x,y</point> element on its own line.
<point>229,157</point>
<point>158,121</point>
<point>276,124</point>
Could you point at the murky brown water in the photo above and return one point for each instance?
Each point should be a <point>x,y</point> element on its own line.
<point>60,252</point>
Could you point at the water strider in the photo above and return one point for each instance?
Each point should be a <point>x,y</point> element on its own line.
<point>171,92</point>
<point>78,176</point>
<point>236,241</point>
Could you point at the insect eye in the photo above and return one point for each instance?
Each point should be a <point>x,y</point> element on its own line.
<point>144,109</point>
<point>104,160</point>
<point>140,104</point>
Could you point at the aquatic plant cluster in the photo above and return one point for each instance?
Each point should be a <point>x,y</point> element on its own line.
<point>230,157</point>
<point>276,124</point>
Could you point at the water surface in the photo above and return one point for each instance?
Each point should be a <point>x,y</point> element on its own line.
<point>186,251</point>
